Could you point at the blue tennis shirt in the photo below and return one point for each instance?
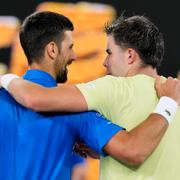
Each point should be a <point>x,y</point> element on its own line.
<point>39,146</point>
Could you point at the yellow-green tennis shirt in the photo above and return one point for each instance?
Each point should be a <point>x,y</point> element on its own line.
<point>127,102</point>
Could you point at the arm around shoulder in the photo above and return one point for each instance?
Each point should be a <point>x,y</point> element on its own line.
<point>135,146</point>
<point>62,98</point>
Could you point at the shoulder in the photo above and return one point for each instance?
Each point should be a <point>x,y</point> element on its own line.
<point>80,117</point>
<point>137,80</point>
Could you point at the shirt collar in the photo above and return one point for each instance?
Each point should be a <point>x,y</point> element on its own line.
<point>40,77</point>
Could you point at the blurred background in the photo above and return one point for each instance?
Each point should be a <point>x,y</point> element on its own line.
<point>164,14</point>
<point>90,41</point>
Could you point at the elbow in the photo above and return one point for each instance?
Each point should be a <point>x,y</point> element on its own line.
<point>134,157</point>
<point>30,102</point>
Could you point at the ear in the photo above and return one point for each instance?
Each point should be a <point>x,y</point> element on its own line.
<point>132,55</point>
<point>51,50</point>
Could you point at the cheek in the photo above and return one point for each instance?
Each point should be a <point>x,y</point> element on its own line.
<point>58,66</point>
<point>65,58</point>
<point>111,60</point>
<point>115,61</point>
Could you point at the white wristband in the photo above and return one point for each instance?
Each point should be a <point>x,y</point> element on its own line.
<point>166,107</point>
<point>6,79</point>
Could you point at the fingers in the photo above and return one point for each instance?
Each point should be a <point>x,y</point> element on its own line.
<point>84,151</point>
<point>158,82</point>
<point>80,151</point>
<point>173,84</point>
<point>159,86</point>
<point>170,88</point>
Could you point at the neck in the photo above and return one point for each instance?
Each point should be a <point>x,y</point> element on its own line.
<point>147,70</point>
<point>43,67</point>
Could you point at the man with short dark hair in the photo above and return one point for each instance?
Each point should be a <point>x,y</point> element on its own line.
<point>115,97</point>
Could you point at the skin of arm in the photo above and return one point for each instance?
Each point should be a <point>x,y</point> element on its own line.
<point>129,147</point>
<point>68,98</point>
<point>64,98</point>
<point>135,146</point>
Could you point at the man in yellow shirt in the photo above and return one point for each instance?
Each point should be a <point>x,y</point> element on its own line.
<point>135,49</point>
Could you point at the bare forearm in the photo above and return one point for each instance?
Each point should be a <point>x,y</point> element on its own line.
<point>22,91</point>
<point>63,98</point>
<point>135,146</point>
<point>145,137</point>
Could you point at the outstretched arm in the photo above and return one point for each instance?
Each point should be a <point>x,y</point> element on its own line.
<point>62,98</point>
<point>132,147</point>
<point>36,97</point>
<point>135,146</point>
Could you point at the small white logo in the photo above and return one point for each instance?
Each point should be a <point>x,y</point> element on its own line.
<point>91,85</point>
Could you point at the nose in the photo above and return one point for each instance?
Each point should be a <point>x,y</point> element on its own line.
<point>74,57</point>
<point>105,63</point>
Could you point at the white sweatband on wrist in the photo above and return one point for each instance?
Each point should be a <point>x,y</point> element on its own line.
<point>166,107</point>
<point>6,79</point>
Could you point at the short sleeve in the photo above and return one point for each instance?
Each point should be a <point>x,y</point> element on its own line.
<point>96,92</point>
<point>95,131</point>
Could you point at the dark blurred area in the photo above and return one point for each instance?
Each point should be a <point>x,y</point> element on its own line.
<point>163,13</point>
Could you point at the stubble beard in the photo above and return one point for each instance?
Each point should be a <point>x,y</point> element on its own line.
<point>62,76</point>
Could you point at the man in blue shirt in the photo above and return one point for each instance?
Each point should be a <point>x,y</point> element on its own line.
<point>39,145</point>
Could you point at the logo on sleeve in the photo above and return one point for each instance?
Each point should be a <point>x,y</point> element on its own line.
<point>91,85</point>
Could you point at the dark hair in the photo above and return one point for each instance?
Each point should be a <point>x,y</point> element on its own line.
<point>139,33</point>
<point>39,29</point>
